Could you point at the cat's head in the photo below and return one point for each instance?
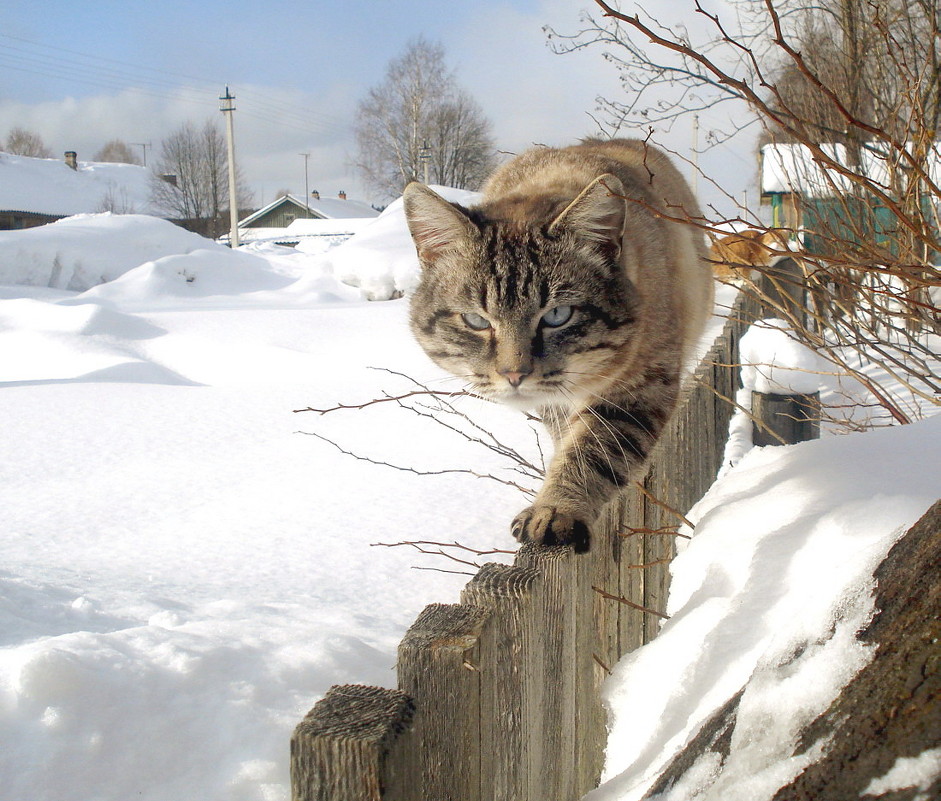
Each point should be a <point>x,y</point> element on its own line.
<point>530,312</point>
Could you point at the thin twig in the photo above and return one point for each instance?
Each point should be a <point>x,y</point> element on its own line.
<point>462,393</point>
<point>665,506</point>
<point>622,600</point>
<point>417,472</point>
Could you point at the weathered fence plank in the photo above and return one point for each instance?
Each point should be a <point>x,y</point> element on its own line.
<point>631,573</point>
<point>512,680</point>
<point>559,598</point>
<point>355,745</point>
<point>785,419</point>
<point>439,667</point>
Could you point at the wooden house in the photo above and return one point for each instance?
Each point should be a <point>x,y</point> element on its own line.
<point>824,206</point>
<point>319,222</point>
<point>36,191</point>
<point>288,208</point>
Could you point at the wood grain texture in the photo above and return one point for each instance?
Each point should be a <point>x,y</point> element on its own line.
<point>355,744</point>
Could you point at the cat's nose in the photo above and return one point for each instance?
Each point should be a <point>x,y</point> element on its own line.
<point>514,377</point>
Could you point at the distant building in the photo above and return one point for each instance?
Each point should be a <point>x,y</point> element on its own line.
<point>290,220</point>
<point>826,206</point>
<point>288,208</point>
<point>38,191</point>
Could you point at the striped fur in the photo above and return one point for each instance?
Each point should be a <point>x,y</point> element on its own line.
<point>569,291</point>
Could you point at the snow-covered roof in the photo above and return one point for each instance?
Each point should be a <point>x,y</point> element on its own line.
<point>303,229</point>
<point>793,168</point>
<point>334,208</point>
<point>324,208</point>
<point>50,186</point>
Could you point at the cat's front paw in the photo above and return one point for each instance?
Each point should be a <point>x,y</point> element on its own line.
<point>547,525</point>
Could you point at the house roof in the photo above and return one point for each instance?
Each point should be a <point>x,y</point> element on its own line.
<point>322,208</point>
<point>303,229</point>
<point>49,186</point>
<point>789,168</point>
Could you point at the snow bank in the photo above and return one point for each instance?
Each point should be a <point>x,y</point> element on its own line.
<point>767,596</point>
<point>381,259</point>
<point>185,573</point>
<point>83,251</point>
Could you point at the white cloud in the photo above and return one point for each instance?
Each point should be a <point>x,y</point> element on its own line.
<point>272,128</point>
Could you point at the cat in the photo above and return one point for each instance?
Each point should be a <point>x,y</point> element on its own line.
<point>750,248</point>
<point>576,288</point>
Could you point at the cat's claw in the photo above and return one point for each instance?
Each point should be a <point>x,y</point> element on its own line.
<point>547,525</point>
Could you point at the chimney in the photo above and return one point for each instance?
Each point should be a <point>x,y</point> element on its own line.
<point>71,159</point>
<point>342,195</point>
<point>315,195</point>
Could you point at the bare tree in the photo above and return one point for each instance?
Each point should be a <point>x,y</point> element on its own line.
<point>117,151</point>
<point>190,181</point>
<point>419,108</point>
<point>22,142</point>
<point>117,201</point>
<point>861,120</point>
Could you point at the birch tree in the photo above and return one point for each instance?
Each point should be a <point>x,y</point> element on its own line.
<point>22,142</point>
<point>419,110</point>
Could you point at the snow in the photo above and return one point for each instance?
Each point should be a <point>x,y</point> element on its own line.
<point>186,570</point>
<point>775,363</point>
<point>185,573</point>
<point>768,595</point>
<point>49,186</point>
<point>908,772</point>
<point>794,168</point>
<point>381,259</point>
<point>68,253</point>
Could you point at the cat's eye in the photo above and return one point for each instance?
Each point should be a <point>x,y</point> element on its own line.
<point>560,315</point>
<point>476,321</point>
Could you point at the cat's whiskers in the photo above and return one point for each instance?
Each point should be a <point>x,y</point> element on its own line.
<point>583,464</point>
<point>580,462</point>
<point>620,408</point>
<point>611,430</point>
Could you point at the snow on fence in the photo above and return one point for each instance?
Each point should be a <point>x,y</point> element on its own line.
<point>499,695</point>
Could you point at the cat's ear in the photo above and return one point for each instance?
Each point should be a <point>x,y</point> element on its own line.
<point>436,226</point>
<point>597,214</point>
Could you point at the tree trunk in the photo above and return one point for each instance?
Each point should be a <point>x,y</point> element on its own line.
<point>890,710</point>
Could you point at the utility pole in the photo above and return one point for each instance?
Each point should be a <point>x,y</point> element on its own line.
<point>424,156</point>
<point>696,156</point>
<point>306,184</point>
<point>144,146</point>
<point>227,106</point>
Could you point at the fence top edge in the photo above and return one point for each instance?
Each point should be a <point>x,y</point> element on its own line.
<point>531,556</point>
<point>446,626</point>
<point>357,712</point>
<point>495,580</point>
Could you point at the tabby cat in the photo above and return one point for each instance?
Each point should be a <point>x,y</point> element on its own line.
<point>571,289</point>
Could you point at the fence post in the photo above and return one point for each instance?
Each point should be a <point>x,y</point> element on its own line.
<point>560,748</point>
<point>511,688</point>
<point>356,745</point>
<point>439,666</point>
<point>785,419</point>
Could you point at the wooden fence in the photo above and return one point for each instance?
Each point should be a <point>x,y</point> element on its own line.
<point>499,695</point>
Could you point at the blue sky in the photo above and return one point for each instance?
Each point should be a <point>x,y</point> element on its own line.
<point>81,74</point>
